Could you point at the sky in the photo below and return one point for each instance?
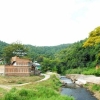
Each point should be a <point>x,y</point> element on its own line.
<point>48,22</point>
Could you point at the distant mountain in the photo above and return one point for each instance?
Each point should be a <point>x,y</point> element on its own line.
<point>47,51</point>
<point>36,51</point>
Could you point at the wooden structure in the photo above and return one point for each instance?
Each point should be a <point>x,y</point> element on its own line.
<point>19,67</point>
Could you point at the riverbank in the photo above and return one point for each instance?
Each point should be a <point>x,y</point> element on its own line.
<point>94,88</point>
<point>85,78</point>
<point>47,89</point>
<point>90,82</point>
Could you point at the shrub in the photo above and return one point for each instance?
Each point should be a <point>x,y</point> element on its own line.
<point>47,90</point>
<point>96,87</point>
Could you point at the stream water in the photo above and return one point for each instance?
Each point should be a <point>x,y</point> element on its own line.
<point>79,93</point>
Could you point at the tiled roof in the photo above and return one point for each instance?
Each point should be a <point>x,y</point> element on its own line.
<point>17,59</point>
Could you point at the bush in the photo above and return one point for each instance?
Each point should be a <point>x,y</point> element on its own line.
<point>96,87</point>
<point>78,70</point>
<point>92,71</point>
<point>42,93</point>
<point>46,90</point>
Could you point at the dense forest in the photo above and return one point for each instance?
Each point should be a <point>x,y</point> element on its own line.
<point>81,54</point>
<point>38,52</point>
<point>33,52</point>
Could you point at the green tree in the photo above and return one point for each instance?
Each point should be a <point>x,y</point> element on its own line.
<point>14,49</point>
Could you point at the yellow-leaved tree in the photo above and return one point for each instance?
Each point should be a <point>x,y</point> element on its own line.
<point>93,39</point>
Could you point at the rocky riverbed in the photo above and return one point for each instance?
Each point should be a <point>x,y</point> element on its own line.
<point>83,79</point>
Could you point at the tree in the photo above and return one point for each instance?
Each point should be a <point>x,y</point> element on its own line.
<point>14,49</point>
<point>93,39</point>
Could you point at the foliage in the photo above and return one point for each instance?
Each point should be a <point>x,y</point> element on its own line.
<point>83,54</point>
<point>76,56</point>
<point>44,91</point>
<point>2,45</point>
<point>94,38</point>
<point>41,93</point>
<point>10,80</point>
<point>2,92</point>
<point>14,49</point>
<point>39,52</point>
<point>96,87</point>
<point>75,71</point>
<point>91,71</point>
<point>86,71</point>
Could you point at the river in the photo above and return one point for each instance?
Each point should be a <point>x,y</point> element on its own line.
<point>79,93</point>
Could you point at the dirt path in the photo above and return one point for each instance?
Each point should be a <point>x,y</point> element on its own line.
<point>8,87</point>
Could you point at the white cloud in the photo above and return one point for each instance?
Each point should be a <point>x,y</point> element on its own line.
<point>47,22</point>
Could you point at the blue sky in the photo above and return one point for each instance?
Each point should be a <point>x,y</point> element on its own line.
<point>47,22</point>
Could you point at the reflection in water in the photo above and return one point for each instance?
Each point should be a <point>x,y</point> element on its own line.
<point>79,93</point>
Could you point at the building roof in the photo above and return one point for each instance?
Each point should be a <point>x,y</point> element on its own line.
<point>17,59</point>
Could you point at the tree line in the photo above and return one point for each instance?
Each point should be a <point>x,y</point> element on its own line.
<point>83,54</point>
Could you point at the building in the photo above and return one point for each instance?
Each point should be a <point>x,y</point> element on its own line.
<point>37,67</point>
<point>20,67</point>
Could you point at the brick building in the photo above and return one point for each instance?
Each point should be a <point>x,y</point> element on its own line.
<point>20,67</point>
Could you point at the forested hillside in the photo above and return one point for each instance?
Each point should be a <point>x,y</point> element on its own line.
<point>38,52</point>
<point>82,54</point>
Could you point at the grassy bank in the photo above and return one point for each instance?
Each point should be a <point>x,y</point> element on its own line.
<point>86,71</point>
<point>94,88</point>
<point>10,80</point>
<point>46,90</point>
<point>2,92</point>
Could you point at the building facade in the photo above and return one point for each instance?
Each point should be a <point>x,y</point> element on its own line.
<point>19,67</point>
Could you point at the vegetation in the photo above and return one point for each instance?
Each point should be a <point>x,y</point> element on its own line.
<point>2,92</point>
<point>13,49</point>
<point>94,88</point>
<point>9,80</point>
<point>94,38</point>
<point>2,45</point>
<point>86,71</point>
<point>47,90</point>
<point>82,55</point>
<point>39,52</point>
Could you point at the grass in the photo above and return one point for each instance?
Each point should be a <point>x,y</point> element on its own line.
<point>92,71</point>
<point>2,92</point>
<point>85,71</point>
<point>46,90</point>
<point>53,83</point>
<point>94,88</point>
<point>78,70</point>
<point>9,80</point>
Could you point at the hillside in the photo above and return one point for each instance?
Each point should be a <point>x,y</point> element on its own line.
<point>36,51</point>
<point>45,51</point>
<point>82,55</point>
